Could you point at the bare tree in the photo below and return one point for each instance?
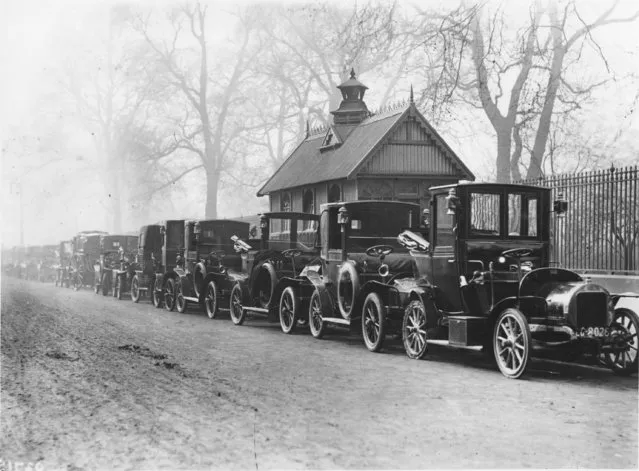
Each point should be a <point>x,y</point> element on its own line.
<point>503,78</point>
<point>210,93</point>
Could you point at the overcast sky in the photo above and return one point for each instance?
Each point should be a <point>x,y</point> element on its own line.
<point>35,29</point>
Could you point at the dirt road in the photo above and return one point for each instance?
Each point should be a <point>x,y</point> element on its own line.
<point>95,383</point>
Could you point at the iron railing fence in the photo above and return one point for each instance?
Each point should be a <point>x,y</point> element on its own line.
<point>600,231</point>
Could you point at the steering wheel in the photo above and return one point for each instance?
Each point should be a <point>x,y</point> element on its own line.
<point>379,250</point>
<point>291,253</point>
<point>217,253</point>
<point>517,253</point>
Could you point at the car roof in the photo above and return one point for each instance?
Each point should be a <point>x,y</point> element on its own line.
<point>290,215</point>
<point>514,186</point>
<point>366,202</point>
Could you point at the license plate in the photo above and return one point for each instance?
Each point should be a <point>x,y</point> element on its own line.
<point>596,332</point>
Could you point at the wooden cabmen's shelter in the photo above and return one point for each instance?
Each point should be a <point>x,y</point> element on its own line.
<point>392,155</point>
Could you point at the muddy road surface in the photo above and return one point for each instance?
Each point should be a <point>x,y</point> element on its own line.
<point>94,383</point>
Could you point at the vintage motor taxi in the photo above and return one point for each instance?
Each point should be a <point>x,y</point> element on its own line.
<point>484,278</point>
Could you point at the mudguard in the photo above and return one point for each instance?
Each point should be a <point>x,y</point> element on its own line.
<point>614,298</point>
<point>326,299</point>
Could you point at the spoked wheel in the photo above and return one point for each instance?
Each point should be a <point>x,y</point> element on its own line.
<point>210,300</point>
<point>414,330</point>
<point>623,361</point>
<point>315,321</point>
<point>105,285</point>
<point>373,322</point>
<point>512,343</point>
<point>156,295</point>
<point>117,289</point>
<point>77,282</point>
<point>289,308</point>
<point>235,305</point>
<point>180,302</point>
<point>169,294</point>
<point>135,289</point>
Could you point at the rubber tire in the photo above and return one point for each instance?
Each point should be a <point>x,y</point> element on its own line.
<point>419,353</point>
<point>374,301</point>
<point>181,304</point>
<point>156,296</point>
<point>349,268</point>
<point>135,293</point>
<point>211,289</point>
<point>105,285</point>
<point>118,288</point>
<point>238,315</point>
<point>169,285</point>
<point>627,371</point>
<point>523,323</point>
<point>317,331</point>
<point>289,292</point>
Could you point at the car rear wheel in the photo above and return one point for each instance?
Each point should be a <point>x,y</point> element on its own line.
<point>414,334</point>
<point>135,289</point>
<point>211,300</point>
<point>238,314</point>
<point>315,321</point>
<point>512,343</point>
<point>373,322</point>
<point>624,361</point>
<point>169,294</point>
<point>289,310</point>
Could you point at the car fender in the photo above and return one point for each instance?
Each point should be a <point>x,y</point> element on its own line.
<point>327,302</point>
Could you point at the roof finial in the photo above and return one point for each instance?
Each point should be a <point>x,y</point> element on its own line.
<point>412,98</point>
<point>352,73</point>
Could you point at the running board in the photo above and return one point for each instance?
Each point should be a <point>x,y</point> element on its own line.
<point>336,320</point>
<point>261,310</point>
<point>191,299</point>
<point>446,343</point>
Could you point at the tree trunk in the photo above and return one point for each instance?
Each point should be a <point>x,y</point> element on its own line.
<point>212,183</point>
<point>503,155</point>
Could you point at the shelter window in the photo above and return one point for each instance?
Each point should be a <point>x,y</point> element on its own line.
<point>308,206</point>
<point>334,193</point>
<point>285,206</point>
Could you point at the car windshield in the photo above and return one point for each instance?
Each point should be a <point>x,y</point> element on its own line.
<point>378,225</point>
<point>283,231</point>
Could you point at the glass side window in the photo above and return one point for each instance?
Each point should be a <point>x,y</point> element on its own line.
<point>484,214</point>
<point>444,236</point>
<point>533,220</point>
<point>522,215</point>
<point>514,214</point>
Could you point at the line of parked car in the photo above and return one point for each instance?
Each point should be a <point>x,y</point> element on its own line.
<point>476,272</point>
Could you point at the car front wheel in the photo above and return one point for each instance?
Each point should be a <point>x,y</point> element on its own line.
<point>238,314</point>
<point>289,307</point>
<point>414,333</point>
<point>211,300</point>
<point>169,294</point>
<point>315,321</point>
<point>135,289</point>
<point>512,343</point>
<point>623,361</point>
<point>373,322</point>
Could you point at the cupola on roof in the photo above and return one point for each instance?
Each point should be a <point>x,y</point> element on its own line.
<point>352,110</point>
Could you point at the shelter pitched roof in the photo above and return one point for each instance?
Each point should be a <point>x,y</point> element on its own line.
<point>309,163</point>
